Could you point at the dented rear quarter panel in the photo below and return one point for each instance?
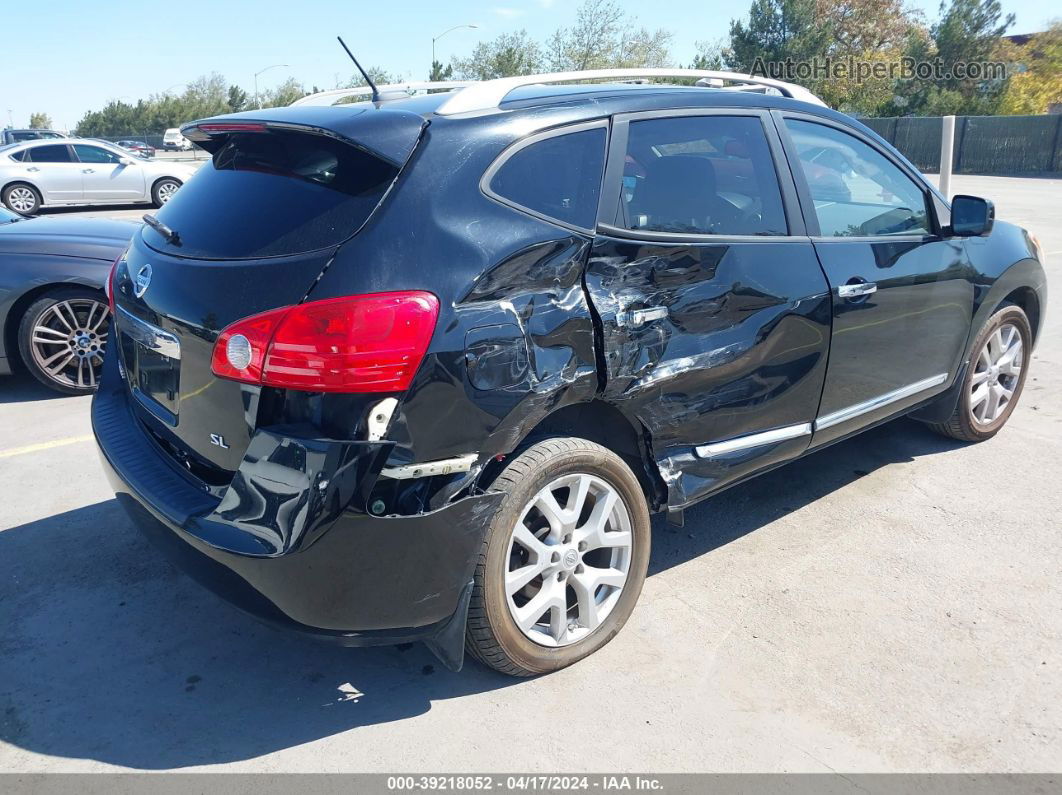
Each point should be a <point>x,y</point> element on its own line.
<point>515,338</point>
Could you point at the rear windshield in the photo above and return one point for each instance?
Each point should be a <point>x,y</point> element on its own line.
<point>272,194</point>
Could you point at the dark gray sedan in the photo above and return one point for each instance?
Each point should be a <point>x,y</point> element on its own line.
<point>53,311</point>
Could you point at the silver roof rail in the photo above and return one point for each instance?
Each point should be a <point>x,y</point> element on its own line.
<point>491,93</point>
<point>396,90</point>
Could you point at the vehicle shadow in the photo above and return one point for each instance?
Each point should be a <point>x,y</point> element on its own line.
<point>21,387</point>
<point>109,654</point>
<point>760,501</point>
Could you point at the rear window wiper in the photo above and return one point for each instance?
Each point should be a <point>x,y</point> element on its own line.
<point>171,237</point>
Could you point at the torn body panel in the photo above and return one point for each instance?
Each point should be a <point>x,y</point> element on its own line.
<point>706,342</point>
<point>518,345</point>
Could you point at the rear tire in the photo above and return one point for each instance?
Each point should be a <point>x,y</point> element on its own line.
<point>994,378</point>
<point>580,567</point>
<point>22,199</point>
<point>62,338</point>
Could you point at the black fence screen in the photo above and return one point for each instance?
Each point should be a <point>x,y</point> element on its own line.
<point>983,144</point>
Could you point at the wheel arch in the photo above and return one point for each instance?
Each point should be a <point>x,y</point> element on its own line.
<point>1028,301</point>
<point>600,422</point>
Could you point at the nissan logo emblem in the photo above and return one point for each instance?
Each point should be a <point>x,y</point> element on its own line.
<point>143,279</point>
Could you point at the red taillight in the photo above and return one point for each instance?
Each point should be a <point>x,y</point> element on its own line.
<point>232,126</point>
<point>364,343</point>
<point>108,288</point>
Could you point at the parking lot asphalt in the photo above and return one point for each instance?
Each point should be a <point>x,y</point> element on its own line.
<point>892,603</point>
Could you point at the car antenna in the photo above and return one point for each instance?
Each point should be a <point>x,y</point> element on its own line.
<point>372,85</point>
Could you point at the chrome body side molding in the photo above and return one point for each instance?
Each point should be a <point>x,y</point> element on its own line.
<point>747,442</point>
<point>851,412</point>
<point>751,440</point>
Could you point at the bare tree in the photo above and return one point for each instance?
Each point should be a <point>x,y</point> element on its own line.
<point>604,37</point>
<point>505,56</point>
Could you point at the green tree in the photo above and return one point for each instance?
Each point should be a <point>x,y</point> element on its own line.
<point>440,72</point>
<point>283,95</point>
<point>1038,84</point>
<point>777,30</point>
<point>379,75</point>
<point>237,100</point>
<point>968,31</point>
<point>709,55</point>
<point>859,27</point>
<point>40,121</point>
<point>505,56</point>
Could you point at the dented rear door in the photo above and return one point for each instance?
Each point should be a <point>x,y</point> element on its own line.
<point>714,311</point>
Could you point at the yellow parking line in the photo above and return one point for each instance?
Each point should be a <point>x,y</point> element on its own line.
<point>35,448</point>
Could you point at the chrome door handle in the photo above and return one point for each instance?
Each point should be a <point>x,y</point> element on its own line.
<point>32,168</point>
<point>856,290</point>
<point>88,171</point>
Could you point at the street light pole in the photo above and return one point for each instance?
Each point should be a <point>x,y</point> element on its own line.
<point>436,38</point>
<point>257,101</point>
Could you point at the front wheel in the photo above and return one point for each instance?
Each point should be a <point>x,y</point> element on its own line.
<point>564,559</point>
<point>994,378</point>
<point>164,190</point>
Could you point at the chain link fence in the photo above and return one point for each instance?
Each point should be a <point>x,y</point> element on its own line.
<point>983,144</point>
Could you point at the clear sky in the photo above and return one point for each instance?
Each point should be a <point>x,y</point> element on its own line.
<point>65,57</point>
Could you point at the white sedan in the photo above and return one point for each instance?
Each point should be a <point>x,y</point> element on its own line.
<point>43,173</point>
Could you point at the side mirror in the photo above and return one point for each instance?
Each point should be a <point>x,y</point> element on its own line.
<point>972,216</point>
<point>127,161</point>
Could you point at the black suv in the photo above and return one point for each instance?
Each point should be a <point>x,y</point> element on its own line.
<point>420,369</point>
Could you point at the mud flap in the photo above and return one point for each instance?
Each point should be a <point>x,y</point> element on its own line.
<point>448,644</point>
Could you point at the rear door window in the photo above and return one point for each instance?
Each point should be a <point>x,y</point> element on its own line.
<point>94,154</point>
<point>273,194</point>
<point>702,175</point>
<point>56,153</point>
<point>558,176</point>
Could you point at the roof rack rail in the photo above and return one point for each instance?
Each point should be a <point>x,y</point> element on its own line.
<point>491,93</point>
<point>396,90</point>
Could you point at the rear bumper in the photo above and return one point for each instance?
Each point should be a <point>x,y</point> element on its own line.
<point>313,562</point>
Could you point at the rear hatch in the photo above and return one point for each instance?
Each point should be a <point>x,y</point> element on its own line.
<point>250,232</point>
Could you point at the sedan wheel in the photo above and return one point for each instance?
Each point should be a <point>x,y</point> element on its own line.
<point>564,559</point>
<point>63,338</point>
<point>164,191</point>
<point>22,199</point>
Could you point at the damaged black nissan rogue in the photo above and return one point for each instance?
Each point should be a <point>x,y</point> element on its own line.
<point>421,368</point>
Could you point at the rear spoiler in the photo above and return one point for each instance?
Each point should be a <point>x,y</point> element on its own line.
<point>390,134</point>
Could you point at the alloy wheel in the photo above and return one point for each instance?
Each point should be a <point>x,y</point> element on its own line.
<point>22,199</point>
<point>166,191</point>
<point>69,340</point>
<point>997,373</point>
<point>568,560</point>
